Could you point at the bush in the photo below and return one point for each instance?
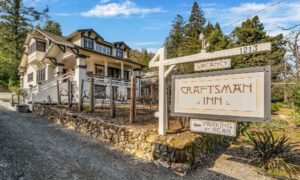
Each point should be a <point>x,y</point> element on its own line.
<point>276,107</point>
<point>273,154</point>
<point>277,94</point>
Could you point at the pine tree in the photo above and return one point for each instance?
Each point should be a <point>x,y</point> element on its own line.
<point>252,32</point>
<point>194,27</point>
<point>52,27</point>
<point>217,39</point>
<point>16,20</point>
<point>175,38</point>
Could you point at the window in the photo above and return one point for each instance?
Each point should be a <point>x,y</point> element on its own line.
<point>126,75</point>
<point>88,43</point>
<point>30,77</point>
<point>103,49</point>
<point>100,91</point>
<point>40,76</point>
<point>119,53</point>
<point>40,46</point>
<point>99,70</point>
<point>113,72</point>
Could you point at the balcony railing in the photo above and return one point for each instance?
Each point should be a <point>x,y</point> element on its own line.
<point>115,81</point>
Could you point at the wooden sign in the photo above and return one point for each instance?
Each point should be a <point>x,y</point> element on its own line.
<point>210,65</point>
<point>240,95</point>
<point>213,127</point>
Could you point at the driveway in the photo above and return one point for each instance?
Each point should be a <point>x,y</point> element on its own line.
<point>31,147</point>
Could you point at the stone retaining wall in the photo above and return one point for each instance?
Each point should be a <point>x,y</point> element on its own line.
<point>143,143</point>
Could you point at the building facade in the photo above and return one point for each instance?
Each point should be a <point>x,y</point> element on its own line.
<point>50,59</point>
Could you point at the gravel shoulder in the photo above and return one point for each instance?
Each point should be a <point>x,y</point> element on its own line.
<point>32,147</point>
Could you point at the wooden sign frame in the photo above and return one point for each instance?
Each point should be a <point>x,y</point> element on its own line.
<point>267,95</point>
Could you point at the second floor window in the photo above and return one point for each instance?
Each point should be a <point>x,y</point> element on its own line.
<point>37,46</point>
<point>40,46</point>
<point>88,43</point>
<point>103,49</point>
<point>119,53</point>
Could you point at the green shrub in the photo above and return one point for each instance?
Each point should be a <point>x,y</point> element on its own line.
<point>210,143</point>
<point>277,94</point>
<point>276,107</point>
<point>272,154</point>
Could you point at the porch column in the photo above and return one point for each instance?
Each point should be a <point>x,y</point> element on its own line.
<point>80,73</point>
<point>49,74</point>
<point>105,69</point>
<point>59,69</point>
<point>122,70</point>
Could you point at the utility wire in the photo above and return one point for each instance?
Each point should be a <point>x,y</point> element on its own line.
<point>257,12</point>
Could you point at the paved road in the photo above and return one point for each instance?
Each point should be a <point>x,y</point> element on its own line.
<point>32,147</point>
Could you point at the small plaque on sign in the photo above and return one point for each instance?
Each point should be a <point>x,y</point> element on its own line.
<point>213,127</point>
<point>209,65</point>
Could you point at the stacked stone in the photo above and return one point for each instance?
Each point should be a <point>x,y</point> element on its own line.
<point>143,143</point>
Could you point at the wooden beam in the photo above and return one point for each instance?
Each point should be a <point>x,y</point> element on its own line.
<point>227,53</point>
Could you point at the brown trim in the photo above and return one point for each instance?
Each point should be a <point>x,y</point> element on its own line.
<point>60,64</point>
<point>83,56</point>
<point>82,66</point>
<point>62,48</point>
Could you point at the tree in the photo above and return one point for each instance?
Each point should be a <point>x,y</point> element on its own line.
<point>293,42</point>
<point>142,57</point>
<point>251,32</point>
<point>194,27</point>
<point>52,27</point>
<point>16,21</point>
<point>175,38</point>
<point>191,43</point>
<point>215,37</point>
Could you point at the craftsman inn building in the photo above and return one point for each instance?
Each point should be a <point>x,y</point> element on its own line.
<point>50,59</point>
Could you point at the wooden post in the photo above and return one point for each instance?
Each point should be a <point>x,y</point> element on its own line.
<point>112,100</point>
<point>18,95</point>
<point>92,103</point>
<point>69,93</point>
<point>132,100</point>
<point>81,95</point>
<point>12,100</point>
<point>58,92</point>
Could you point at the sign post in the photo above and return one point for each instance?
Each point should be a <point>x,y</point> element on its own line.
<point>160,61</point>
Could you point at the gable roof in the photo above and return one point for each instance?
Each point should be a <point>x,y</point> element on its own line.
<point>83,30</point>
<point>56,38</point>
<point>120,43</point>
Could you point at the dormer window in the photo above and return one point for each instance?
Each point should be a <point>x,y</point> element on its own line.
<point>37,46</point>
<point>40,46</point>
<point>88,43</point>
<point>119,53</point>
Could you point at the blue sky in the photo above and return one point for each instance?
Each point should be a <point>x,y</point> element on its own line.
<point>146,23</point>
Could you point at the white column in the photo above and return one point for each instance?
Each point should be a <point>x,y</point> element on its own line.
<point>122,70</point>
<point>80,74</point>
<point>105,69</point>
<point>58,70</point>
<point>163,106</point>
<point>49,72</point>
